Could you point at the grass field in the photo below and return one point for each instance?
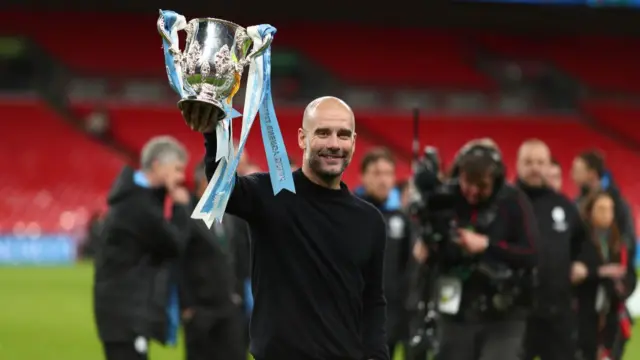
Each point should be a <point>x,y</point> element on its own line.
<point>45,314</point>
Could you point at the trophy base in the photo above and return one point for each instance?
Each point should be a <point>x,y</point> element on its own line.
<point>215,108</point>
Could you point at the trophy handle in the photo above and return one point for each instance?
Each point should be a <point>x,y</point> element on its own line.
<point>265,45</point>
<point>173,48</point>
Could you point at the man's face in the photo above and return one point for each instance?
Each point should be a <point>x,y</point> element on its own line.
<point>476,190</point>
<point>533,164</point>
<point>554,177</point>
<point>171,172</point>
<point>580,172</point>
<point>378,179</point>
<point>328,143</point>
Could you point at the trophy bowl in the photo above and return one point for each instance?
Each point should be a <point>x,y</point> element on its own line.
<point>211,65</point>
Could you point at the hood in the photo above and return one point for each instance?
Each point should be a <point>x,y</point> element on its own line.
<point>124,187</point>
<point>393,202</point>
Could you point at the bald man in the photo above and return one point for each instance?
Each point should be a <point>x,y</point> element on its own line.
<point>318,254</point>
<point>563,242</point>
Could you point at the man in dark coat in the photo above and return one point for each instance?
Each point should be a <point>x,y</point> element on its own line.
<point>212,325</point>
<point>135,283</point>
<point>378,180</point>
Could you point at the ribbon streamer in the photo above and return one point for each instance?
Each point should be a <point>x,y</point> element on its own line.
<point>259,100</point>
<point>169,24</point>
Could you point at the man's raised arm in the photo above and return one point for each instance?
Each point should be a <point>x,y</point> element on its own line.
<point>245,197</point>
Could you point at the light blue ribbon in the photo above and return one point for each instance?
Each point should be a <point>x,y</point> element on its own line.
<point>277,158</point>
<point>276,153</point>
<point>170,19</point>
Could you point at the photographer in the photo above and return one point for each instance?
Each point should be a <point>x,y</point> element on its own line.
<point>485,262</point>
<point>563,240</point>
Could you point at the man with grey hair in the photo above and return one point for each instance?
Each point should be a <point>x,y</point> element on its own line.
<point>137,253</point>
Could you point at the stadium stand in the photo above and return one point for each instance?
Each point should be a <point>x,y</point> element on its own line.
<point>618,116</point>
<point>134,125</point>
<point>55,177</point>
<point>597,61</point>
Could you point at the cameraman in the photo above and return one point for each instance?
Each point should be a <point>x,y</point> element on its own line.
<point>494,244</point>
<point>564,238</point>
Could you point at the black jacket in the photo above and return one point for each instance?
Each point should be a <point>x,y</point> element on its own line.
<point>239,236</point>
<point>507,219</point>
<point>138,248</point>
<point>207,275</point>
<point>396,261</point>
<point>563,240</point>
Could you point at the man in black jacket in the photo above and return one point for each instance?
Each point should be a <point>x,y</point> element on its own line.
<point>138,252</point>
<point>486,263</point>
<point>317,255</point>
<point>377,171</point>
<point>212,323</point>
<point>563,238</point>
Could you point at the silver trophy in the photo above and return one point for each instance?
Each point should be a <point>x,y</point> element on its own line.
<point>210,67</point>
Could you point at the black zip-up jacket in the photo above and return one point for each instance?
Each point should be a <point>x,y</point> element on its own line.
<point>563,240</point>
<point>137,250</point>
<point>207,274</point>
<point>507,219</point>
<point>396,262</point>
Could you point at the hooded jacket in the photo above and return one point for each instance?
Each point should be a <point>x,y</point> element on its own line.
<point>136,251</point>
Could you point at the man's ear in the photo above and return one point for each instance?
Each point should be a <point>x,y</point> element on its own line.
<point>301,139</point>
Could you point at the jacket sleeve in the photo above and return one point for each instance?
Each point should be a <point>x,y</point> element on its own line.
<point>583,249</point>
<point>245,197</point>
<point>515,236</point>
<point>374,303</point>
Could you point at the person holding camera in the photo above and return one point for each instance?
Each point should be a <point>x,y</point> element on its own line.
<point>564,240</point>
<point>486,262</point>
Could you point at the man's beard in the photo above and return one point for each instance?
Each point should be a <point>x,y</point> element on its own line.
<point>315,163</point>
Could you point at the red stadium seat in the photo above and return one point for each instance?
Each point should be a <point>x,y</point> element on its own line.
<point>401,57</point>
<point>602,63</point>
<point>618,116</point>
<point>54,176</point>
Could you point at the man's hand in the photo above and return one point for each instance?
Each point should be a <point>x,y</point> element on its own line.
<point>420,252</point>
<point>612,271</point>
<point>200,116</point>
<point>180,195</point>
<point>579,272</point>
<point>472,242</point>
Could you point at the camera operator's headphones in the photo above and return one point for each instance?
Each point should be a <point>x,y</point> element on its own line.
<point>481,152</point>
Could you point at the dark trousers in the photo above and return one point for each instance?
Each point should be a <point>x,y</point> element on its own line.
<point>137,349</point>
<point>214,339</point>
<point>550,338</point>
<point>499,340</point>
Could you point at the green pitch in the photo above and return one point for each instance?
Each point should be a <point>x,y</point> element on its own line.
<point>45,314</point>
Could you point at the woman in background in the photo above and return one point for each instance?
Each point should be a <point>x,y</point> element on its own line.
<point>603,319</point>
